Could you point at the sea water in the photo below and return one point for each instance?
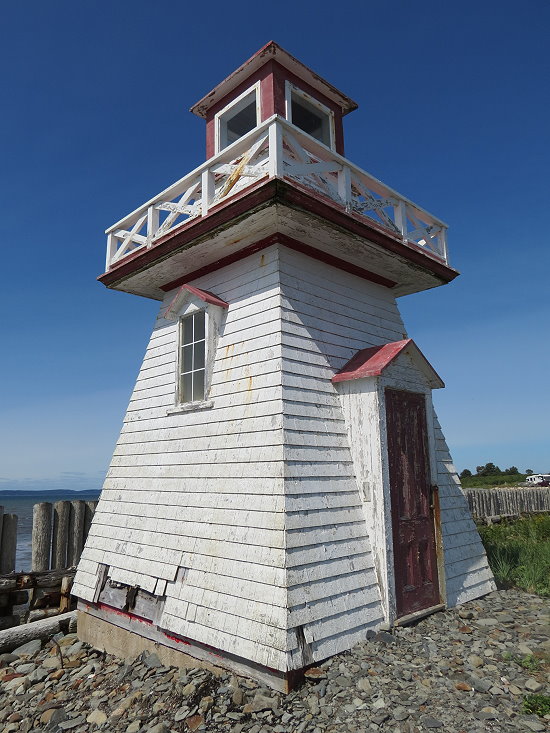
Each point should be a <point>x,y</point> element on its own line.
<point>23,504</point>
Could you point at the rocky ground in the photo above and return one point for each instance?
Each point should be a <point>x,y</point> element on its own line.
<point>467,670</point>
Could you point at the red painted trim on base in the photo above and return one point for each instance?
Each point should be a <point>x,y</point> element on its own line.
<point>126,614</point>
<point>215,651</point>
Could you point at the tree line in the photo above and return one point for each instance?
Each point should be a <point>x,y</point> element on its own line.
<point>490,469</point>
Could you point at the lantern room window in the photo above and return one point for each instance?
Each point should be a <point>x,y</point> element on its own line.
<point>192,357</point>
<point>237,119</point>
<point>310,115</point>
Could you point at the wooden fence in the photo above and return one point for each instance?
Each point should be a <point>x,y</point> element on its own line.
<point>487,503</point>
<point>59,532</point>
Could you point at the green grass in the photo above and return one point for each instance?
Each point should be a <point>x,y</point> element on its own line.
<point>528,661</point>
<point>536,705</point>
<point>519,553</point>
<point>489,482</point>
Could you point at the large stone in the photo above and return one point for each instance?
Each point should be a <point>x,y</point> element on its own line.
<point>151,660</point>
<point>29,649</point>
<point>429,722</point>
<point>97,717</point>
<point>534,725</point>
<point>532,685</point>
<point>364,684</point>
<point>259,703</point>
<point>475,661</point>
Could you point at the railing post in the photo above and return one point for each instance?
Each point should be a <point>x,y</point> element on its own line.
<point>152,224</point>
<point>275,165</point>
<point>400,216</point>
<point>208,189</point>
<point>442,236</point>
<point>344,186</point>
<point>111,250</point>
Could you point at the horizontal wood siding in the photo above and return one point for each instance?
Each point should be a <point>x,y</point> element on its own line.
<point>248,516</point>
<point>467,571</point>
<point>327,315</point>
<point>196,498</point>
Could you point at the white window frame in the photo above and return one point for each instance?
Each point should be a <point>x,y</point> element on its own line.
<point>220,136</point>
<point>291,89</point>
<point>179,387</point>
<point>214,316</point>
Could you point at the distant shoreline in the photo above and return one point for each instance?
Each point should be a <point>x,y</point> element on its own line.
<point>50,492</point>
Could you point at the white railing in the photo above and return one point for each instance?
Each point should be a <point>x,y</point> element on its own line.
<point>276,149</point>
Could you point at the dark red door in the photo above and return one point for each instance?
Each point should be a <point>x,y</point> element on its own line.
<point>416,582</point>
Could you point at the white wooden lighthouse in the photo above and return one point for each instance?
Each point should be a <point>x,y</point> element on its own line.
<point>281,484</point>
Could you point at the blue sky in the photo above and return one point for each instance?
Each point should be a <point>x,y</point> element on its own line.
<point>454,113</point>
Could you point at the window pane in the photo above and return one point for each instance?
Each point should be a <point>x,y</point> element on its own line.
<point>187,387</point>
<point>199,326</point>
<point>310,119</point>
<point>241,122</point>
<point>187,359</point>
<point>187,330</point>
<point>198,385</point>
<point>198,362</point>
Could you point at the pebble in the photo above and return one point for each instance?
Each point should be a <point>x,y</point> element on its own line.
<point>433,675</point>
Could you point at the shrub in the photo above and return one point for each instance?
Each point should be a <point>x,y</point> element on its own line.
<point>537,705</point>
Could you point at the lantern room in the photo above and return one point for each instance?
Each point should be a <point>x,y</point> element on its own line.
<point>273,82</point>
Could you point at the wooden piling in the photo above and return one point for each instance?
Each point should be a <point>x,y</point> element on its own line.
<point>41,536</point>
<point>76,531</point>
<point>88,516</point>
<point>1,522</point>
<point>61,511</point>
<point>8,546</point>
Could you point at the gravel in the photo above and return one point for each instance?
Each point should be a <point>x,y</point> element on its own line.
<point>463,671</point>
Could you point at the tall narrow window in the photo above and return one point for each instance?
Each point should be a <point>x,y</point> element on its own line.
<point>192,357</point>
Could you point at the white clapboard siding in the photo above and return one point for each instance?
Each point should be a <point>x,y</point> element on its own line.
<point>246,516</point>
<point>466,567</point>
<point>328,550</point>
<point>204,490</point>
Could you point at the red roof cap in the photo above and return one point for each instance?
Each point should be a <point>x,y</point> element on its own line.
<point>205,295</point>
<point>181,295</point>
<point>270,51</point>
<point>371,362</point>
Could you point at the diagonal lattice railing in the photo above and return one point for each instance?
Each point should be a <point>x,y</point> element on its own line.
<point>276,148</point>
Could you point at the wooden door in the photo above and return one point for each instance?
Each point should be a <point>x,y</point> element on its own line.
<point>416,580</point>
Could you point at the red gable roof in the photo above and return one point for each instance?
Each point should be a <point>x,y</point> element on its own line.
<point>179,298</point>
<point>371,362</point>
<point>206,296</point>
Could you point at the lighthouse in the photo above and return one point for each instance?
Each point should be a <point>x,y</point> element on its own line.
<point>281,484</point>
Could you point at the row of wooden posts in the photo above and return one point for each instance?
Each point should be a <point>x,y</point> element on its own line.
<point>59,531</point>
<point>491,503</point>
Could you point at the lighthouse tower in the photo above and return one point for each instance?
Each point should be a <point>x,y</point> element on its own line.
<point>281,484</point>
